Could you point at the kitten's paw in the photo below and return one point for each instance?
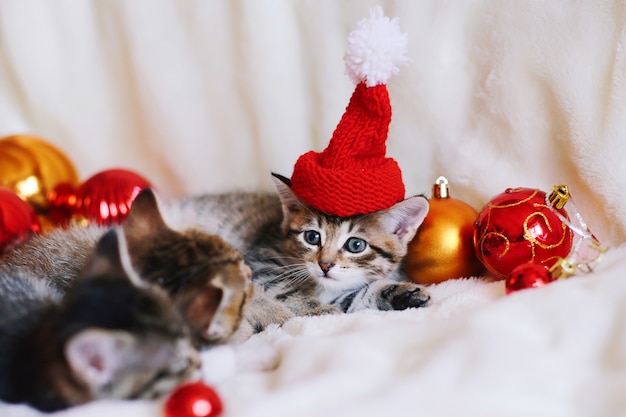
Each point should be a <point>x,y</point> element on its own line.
<point>402,295</point>
<point>323,309</point>
<point>264,310</point>
<point>302,305</point>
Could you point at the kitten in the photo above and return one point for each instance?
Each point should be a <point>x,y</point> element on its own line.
<point>206,278</point>
<point>107,335</point>
<point>314,262</point>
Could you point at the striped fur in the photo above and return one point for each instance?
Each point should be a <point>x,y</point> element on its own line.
<point>103,336</point>
<point>311,261</point>
<point>206,278</point>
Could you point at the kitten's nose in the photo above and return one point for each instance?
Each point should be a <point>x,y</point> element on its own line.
<point>325,267</point>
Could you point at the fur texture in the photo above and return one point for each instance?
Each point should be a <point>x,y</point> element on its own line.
<point>313,262</point>
<point>105,337</point>
<point>205,277</point>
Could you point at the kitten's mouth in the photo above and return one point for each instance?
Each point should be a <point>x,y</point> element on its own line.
<point>319,273</point>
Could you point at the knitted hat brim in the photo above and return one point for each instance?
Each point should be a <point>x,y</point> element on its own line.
<point>347,192</point>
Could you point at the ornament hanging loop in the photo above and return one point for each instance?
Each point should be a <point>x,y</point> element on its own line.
<point>440,188</point>
<point>559,196</point>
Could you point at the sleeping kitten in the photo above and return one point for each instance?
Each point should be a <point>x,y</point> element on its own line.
<point>206,277</point>
<point>106,337</point>
<point>314,262</point>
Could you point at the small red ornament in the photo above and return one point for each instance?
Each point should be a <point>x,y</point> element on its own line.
<point>61,202</point>
<point>106,197</point>
<point>528,275</point>
<point>517,227</point>
<point>193,400</point>
<point>18,219</point>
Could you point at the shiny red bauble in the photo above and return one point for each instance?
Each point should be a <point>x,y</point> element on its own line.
<point>18,220</point>
<point>61,202</point>
<point>528,275</point>
<point>517,227</point>
<point>106,197</point>
<point>193,400</point>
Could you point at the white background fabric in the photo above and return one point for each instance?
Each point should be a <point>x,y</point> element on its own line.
<point>203,96</point>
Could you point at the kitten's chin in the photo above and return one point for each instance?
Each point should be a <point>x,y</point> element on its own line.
<point>338,280</point>
<point>333,286</point>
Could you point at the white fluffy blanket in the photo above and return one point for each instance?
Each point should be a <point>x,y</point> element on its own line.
<point>202,96</point>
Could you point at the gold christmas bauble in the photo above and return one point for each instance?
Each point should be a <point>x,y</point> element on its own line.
<point>32,168</point>
<point>443,247</point>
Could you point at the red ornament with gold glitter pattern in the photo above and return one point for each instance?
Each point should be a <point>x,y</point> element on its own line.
<point>518,227</point>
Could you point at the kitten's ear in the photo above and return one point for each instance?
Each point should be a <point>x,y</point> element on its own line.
<point>144,218</point>
<point>404,218</point>
<point>290,202</point>
<point>110,258</point>
<point>96,356</point>
<point>282,179</point>
<point>105,259</point>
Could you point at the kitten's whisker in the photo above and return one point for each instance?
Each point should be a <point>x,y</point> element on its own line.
<point>283,259</point>
<point>292,275</point>
<point>290,272</point>
<point>287,267</point>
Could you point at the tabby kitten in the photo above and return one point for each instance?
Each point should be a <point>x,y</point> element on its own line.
<point>314,262</point>
<point>206,278</point>
<point>105,337</point>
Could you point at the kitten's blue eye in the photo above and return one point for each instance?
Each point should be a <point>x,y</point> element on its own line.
<point>355,245</point>
<point>312,237</point>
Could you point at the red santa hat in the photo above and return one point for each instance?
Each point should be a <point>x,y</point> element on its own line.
<point>353,175</point>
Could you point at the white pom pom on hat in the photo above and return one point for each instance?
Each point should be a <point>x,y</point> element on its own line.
<point>376,49</point>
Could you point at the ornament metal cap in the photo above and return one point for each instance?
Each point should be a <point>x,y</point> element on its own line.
<point>440,188</point>
<point>564,268</point>
<point>559,196</point>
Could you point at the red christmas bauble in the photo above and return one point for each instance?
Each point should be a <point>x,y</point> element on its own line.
<point>517,227</point>
<point>106,197</point>
<point>61,202</point>
<point>18,220</point>
<point>528,275</point>
<point>193,400</point>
